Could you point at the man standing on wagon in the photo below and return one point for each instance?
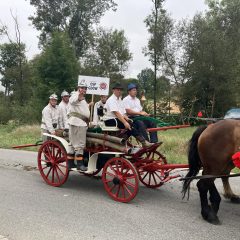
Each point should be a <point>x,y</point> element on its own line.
<point>63,106</point>
<point>51,120</point>
<point>134,109</point>
<point>78,118</point>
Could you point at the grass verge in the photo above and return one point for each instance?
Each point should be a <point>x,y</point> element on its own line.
<point>175,142</point>
<point>11,135</point>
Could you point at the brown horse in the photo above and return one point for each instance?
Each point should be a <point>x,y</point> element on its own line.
<point>211,148</point>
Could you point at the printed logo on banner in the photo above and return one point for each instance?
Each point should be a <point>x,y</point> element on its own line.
<point>103,86</point>
<point>83,81</point>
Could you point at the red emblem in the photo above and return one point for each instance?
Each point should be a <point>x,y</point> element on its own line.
<point>236,159</point>
<point>200,114</point>
<point>103,86</point>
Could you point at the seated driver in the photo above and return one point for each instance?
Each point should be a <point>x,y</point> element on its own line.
<point>116,113</point>
<point>133,108</point>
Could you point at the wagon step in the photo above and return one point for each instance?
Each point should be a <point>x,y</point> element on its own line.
<point>85,172</point>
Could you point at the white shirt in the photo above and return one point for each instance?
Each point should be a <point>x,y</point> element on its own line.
<point>114,104</point>
<point>95,114</point>
<point>50,116</point>
<point>80,107</point>
<point>63,107</point>
<point>132,103</point>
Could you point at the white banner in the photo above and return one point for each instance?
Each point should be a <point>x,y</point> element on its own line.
<point>95,85</point>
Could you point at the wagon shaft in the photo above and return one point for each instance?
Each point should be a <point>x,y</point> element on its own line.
<point>152,167</point>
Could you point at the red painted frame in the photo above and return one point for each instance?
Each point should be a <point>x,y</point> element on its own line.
<point>168,128</point>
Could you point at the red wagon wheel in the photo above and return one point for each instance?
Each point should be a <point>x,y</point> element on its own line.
<point>148,169</point>
<point>120,179</point>
<point>52,163</point>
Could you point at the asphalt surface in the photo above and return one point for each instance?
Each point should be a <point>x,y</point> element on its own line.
<point>81,209</point>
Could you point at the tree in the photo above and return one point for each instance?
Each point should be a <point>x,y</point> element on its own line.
<point>213,65</point>
<point>108,55</point>
<point>159,24</point>
<point>146,80</point>
<point>13,62</point>
<point>9,61</point>
<point>75,17</point>
<point>3,29</point>
<point>226,15</point>
<point>57,67</point>
<point>177,59</point>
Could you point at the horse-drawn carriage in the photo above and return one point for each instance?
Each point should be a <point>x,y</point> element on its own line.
<point>122,164</point>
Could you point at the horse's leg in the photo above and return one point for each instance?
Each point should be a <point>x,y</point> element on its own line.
<point>228,193</point>
<point>207,212</point>
<point>214,198</point>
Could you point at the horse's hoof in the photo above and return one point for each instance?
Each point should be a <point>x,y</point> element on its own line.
<point>215,220</point>
<point>235,200</point>
<point>211,217</point>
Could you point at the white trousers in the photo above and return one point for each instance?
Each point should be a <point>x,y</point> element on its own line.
<point>77,138</point>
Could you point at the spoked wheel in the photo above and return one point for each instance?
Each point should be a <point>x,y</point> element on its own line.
<point>120,179</point>
<point>52,163</point>
<point>148,169</point>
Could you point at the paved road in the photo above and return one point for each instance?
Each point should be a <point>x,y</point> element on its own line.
<point>32,210</point>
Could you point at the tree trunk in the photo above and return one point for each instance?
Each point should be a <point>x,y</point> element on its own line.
<point>155,60</point>
<point>213,103</point>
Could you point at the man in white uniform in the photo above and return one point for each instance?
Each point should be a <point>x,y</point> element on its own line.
<point>51,120</point>
<point>63,106</point>
<point>116,112</point>
<point>99,109</point>
<point>78,117</point>
<point>134,109</point>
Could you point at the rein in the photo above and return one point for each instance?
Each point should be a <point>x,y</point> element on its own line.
<point>210,176</point>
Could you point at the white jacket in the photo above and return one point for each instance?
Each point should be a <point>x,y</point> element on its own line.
<point>77,107</point>
<point>114,104</point>
<point>63,109</point>
<point>50,116</point>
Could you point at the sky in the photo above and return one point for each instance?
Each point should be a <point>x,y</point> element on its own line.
<point>129,17</point>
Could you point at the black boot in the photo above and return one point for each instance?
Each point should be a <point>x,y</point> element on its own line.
<point>71,163</point>
<point>144,142</point>
<point>80,163</point>
<point>81,166</point>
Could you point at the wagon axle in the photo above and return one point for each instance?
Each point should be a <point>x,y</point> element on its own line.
<point>116,181</point>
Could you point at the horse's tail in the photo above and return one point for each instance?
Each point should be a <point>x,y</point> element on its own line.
<point>193,159</point>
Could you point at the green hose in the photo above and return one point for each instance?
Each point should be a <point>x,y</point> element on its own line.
<point>158,122</point>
